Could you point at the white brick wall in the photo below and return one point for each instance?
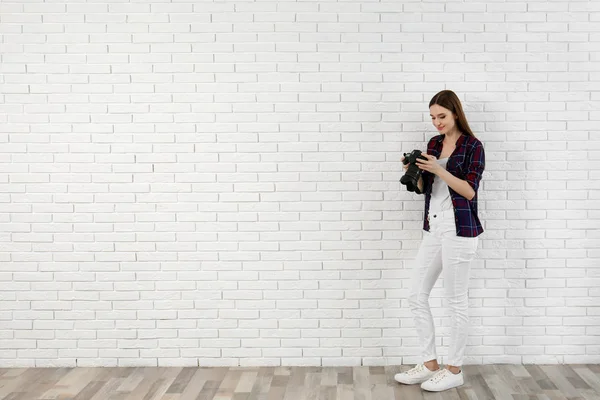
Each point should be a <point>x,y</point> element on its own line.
<point>216,183</point>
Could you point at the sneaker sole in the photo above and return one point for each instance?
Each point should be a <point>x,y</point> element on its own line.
<point>444,389</point>
<point>441,390</point>
<point>411,382</point>
<point>407,382</point>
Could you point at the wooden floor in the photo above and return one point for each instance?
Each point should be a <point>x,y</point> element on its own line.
<point>498,382</point>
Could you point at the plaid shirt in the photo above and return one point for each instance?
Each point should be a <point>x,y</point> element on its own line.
<point>467,162</point>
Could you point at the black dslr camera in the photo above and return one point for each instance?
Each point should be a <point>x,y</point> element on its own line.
<point>413,173</point>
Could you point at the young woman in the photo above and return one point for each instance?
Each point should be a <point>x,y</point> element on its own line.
<point>450,179</point>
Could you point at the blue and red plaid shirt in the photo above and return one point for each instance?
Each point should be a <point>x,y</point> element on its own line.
<point>467,162</point>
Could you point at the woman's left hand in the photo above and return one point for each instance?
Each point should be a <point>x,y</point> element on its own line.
<point>431,165</point>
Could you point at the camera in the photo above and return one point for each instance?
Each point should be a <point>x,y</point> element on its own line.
<point>411,178</point>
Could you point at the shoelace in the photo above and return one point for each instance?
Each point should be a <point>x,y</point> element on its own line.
<point>415,370</point>
<point>440,375</point>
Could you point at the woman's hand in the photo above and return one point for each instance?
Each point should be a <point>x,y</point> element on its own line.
<point>430,164</point>
<point>405,167</point>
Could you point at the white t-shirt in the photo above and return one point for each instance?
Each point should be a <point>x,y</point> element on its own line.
<point>440,193</point>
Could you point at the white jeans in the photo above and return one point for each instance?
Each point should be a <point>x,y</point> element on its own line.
<point>441,250</point>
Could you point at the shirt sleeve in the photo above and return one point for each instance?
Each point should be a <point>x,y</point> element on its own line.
<point>426,175</point>
<point>476,165</point>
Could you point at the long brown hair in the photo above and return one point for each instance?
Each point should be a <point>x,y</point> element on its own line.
<point>448,99</point>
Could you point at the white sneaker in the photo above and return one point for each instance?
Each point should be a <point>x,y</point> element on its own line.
<point>418,374</point>
<point>443,380</point>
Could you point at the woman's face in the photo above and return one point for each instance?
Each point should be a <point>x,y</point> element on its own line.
<point>442,118</point>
